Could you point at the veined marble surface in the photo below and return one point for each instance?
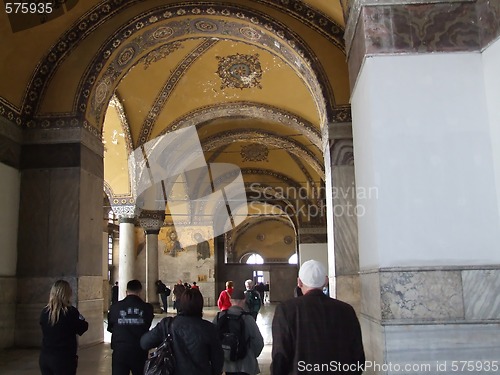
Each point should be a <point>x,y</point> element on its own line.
<point>425,295</point>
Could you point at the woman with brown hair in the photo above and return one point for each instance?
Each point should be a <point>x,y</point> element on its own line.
<point>60,323</point>
<point>197,348</point>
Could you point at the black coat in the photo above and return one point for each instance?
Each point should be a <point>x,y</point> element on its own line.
<point>128,320</point>
<point>314,330</point>
<point>61,338</point>
<point>196,344</point>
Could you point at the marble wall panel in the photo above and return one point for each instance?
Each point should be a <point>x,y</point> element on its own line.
<point>489,16</point>
<point>421,28</point>
<point>349,290</point>
<point>481,294</point>
<point>10,152</point>
<point>421,295</point>
<point>431,344</point>
<point>418,27</point>
<point>8,293</point>
<point>345,221</point>
<point>373,342</point>
<point>356,52</point>
<point>33,233</point>
<point>28,333</point>
<point>63,227</point>
<point>37,289</point>
<point>370,295</point>
<point>89,288</point>
<point>92,311</point>
<point>91,162</point>
<point>90,225</point>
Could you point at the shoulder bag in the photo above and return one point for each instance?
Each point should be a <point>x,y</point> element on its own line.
<point>162,360</point>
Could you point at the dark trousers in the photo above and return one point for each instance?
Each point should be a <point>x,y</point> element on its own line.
<point>236,373</point>
<point>56,364</point>
<point>164,301</point>
<point>125,361</point>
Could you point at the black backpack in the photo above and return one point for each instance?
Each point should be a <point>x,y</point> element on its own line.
<point>231,330</point>
<point>253,300</point>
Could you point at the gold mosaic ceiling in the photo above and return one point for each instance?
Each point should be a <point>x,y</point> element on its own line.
<point>259,79</point>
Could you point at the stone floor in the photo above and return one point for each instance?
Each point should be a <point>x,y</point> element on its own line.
<point>96,359</point>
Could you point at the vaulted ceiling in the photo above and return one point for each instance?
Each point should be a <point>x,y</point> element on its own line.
<point>260,80</point>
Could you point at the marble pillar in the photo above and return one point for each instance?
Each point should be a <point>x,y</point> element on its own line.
<point>127,256</point>
<point>151,222</point>
<point>423,136</point>
<point>61,224</point>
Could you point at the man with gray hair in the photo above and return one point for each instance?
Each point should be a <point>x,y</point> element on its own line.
<point>252,298</point>
<point>316,333</point>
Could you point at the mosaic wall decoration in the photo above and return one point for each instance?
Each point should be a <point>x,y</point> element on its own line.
<point>240,71</point>
<point>254,152</point>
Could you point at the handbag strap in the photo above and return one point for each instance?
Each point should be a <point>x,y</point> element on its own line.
<point>168,328</point>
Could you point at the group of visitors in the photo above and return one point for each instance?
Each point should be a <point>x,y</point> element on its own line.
<point>310,329</point>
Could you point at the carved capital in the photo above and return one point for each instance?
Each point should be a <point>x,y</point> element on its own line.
<point>151,221</point>
<point>126,213</point>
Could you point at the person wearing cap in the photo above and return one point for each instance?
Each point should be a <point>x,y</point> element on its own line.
<point>315,331</point>
<point>255,342</point>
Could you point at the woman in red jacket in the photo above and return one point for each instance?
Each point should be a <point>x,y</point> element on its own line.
<point>224,301</point>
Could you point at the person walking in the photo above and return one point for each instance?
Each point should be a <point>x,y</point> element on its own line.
<point>197,348</point>
<point>163,291</point>
<point>114,293</point>
<point>128,320</point>
<point>253,300</point>
<point>60,323</point>
<point>179,288</point>
<point>315,329</point>
<point>224,300</point>
<point>253,339</point>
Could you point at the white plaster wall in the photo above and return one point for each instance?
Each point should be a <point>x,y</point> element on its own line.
<point>422,138</point>
<point>491,63</point>
<point>10,182</point>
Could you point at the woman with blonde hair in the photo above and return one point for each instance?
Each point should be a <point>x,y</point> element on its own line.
<point>60,323</point>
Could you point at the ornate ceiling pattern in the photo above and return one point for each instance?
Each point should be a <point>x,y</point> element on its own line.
<point>259,79</point>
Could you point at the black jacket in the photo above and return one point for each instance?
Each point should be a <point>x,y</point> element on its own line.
<point>316,330</point>
<point>128,320</point>
<point>197,348</point>
<point>61,338</point>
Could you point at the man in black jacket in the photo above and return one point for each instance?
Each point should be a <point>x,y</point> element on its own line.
<point>128,320</point>
<point>316,333</point>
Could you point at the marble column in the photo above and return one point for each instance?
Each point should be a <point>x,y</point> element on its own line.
<point>127,256</point>
<point>151,222</point>
<point>60,229</point>
<point>425,135</point>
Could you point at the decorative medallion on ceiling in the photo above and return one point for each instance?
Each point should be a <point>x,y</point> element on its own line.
<point>254,152</point>
<point>240,71</point>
